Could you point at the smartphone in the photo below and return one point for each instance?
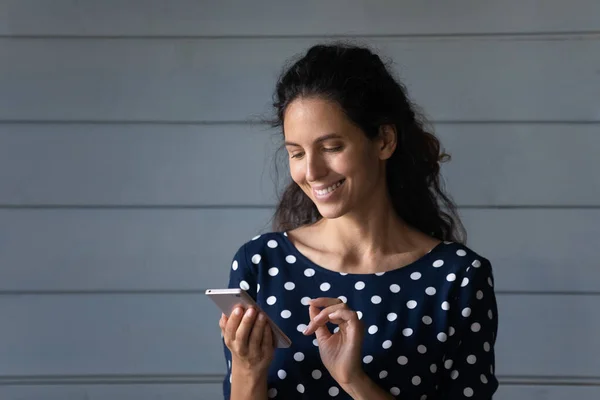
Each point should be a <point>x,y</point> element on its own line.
<point>228,299</point>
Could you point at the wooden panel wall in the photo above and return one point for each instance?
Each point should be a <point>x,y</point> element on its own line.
<point>115,115</point>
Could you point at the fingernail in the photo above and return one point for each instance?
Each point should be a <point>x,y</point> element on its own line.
<point>250,312</point>
<point>261,317</point>
<point>304,331</point>
<point>238,311</point>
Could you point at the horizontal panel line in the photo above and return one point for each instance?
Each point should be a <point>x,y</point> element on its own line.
<point>23,380</point>
<point>110,379</point>
<point>124,122</point>
<point>58,292</point>
<point>133,206</point>
<point>558,35</point>
<point>549,380</point>
<point>258,122</point>
<point>265,207</point>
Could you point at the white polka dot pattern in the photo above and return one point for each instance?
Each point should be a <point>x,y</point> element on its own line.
<point>415,276</point>
<point>437,317</point>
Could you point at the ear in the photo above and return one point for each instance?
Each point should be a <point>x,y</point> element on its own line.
<point>387,141</point>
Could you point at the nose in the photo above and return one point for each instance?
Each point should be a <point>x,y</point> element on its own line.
<point>316,168</point>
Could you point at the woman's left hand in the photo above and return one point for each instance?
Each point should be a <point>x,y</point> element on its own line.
<point>341,351</point>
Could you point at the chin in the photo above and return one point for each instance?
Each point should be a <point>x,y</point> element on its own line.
<point>331,212</point>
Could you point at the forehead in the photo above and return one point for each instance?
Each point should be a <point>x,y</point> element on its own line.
<point>306,119</point>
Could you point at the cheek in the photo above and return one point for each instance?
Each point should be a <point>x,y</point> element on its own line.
<point>296,172</point>
<point>362,166</point>
<point>350,164</point>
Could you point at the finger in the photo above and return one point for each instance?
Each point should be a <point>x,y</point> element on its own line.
<point>268,339</point>
<point>223,321</point>
<point>222,324</point>
<point>324,301</point>
<point>233,322</point>
<point>321,318</point>
<point>242,335</point>
<point>341,316</point>
<point>321,331</point>
<point>256,336</point>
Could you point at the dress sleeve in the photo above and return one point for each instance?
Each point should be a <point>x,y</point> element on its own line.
<point>242,274</point>
<point>469,365</point>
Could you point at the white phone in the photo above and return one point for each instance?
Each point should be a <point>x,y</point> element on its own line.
<point>228,299</point>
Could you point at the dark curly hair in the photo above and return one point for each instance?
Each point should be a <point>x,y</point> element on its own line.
<point>357,79</point>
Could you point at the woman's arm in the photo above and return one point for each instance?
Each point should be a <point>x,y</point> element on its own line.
<point>247,339</point>
<point>365,389</point>
<point>470,359</point>
<point>247,386</point>
<point>341,353</point>
<point>251,343</point>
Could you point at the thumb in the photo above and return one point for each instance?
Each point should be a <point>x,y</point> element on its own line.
<point>322,332</point>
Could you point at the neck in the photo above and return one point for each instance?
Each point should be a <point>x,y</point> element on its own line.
<point>371,232</point>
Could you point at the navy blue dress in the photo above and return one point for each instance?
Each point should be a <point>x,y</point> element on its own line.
<point>430,326</point>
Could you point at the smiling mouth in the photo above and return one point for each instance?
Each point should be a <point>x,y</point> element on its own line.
<point>330,188</point>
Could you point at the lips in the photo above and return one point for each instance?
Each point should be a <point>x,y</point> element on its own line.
<point>329,189</point>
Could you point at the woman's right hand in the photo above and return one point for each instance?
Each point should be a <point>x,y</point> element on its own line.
<point>250,339</point>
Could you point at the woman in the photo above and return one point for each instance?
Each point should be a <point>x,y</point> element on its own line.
<point>364,271</point>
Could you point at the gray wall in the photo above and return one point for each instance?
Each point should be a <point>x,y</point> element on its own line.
<point>131,169</point>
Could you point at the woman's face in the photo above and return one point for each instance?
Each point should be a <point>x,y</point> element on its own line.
<point>330,158</point>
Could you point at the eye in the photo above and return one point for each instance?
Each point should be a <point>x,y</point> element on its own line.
<point>333,149</point>
<point>297,155</point>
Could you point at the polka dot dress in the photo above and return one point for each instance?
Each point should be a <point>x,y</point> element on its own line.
<point>430,327</point>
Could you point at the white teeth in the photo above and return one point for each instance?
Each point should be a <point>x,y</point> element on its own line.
<point>329,189</point>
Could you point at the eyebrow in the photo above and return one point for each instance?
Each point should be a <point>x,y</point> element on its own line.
<point>317,140</point>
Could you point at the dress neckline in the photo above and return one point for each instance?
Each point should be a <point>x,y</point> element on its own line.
<point>427,257</point>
